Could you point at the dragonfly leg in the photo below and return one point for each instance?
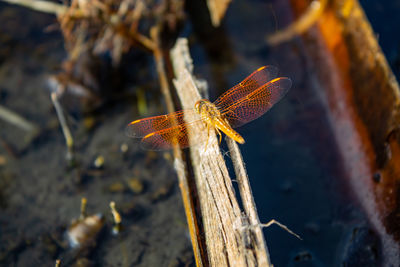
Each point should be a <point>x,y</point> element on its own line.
<point>208,137</point>
<point>219,134</point>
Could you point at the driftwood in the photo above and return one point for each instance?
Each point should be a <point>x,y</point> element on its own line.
<point>232,237</point>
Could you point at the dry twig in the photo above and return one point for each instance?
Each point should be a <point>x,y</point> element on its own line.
<point>302,24</point>
<point>38,5</point>
<point>64,126</point>
<point>17,120</point>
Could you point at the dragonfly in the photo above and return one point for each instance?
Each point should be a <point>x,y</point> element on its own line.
<point>241,104</point>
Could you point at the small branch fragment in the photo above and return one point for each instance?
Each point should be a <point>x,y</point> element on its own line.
<point>217,10</point>
<point>17,120</point>
<point>158,56</point>
<point>83,214</point>
<point>64,126</point>
<point>42,6</point>
<point>302,24</point>
<point>249,204</point>
<point>284,227</point>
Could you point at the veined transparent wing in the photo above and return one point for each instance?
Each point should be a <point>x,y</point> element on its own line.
<point>254,81</point>
<point>169,137</point>
<point>165,131</point>
<point>256,103</point>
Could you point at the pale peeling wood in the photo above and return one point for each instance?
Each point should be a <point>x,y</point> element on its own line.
<point>217,10</point>
<point>232,238</point>
<point>254,229</point>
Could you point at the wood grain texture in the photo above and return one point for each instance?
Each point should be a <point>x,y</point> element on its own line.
<point>233,237</point>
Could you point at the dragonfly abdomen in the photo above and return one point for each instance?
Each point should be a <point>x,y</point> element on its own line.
<point>227,129</point>
<point>210,114</point>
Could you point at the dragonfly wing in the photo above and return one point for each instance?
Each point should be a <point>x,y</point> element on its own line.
<point>257,103</point>
<point>143,127</point>
<point>247,86</point>
<point>169,137</point>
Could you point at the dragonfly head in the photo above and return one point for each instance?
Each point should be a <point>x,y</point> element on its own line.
<point>199,105</point>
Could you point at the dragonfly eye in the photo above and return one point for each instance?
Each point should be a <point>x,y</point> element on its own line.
<point>198,105</point>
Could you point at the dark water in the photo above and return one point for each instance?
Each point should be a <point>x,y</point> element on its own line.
<point>290,153</point>
<point>383,14</point>
<point>295,169</point>
<point>40,194</point>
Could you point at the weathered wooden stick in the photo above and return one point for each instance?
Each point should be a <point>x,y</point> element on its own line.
<point>69,140</point>
<point>17,120</point>
<point>250,211</point>
<point>229,240</point>
<point>42,6</point>
<point>302,24</point>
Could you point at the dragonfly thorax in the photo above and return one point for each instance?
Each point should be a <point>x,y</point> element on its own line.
<point>213,117</point>
<point>207,110</point>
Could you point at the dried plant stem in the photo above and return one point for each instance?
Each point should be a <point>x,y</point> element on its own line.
<point>15,119</point>
<point>308,19</point>
<point>284,227</point>
<point>160,65</point>
<point>249,205</point>
<point>143,40</point>
<point>179,163</point>
<point>66,13</point>
<point>42,6</point>
<point>64,126</point>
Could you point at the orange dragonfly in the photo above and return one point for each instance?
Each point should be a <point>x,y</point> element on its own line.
<point>243,103</point>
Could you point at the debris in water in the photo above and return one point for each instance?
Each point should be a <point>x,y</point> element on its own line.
<point>117,219</point>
